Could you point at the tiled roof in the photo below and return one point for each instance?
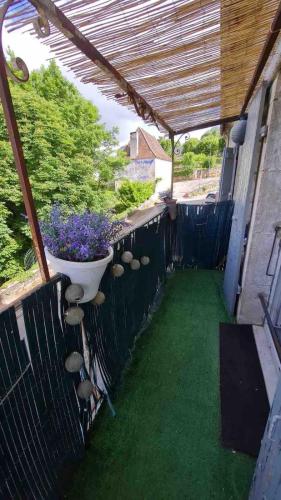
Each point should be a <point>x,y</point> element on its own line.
<point>149,147</point>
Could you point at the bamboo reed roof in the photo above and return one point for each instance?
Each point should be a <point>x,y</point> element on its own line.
<point>191,60</point>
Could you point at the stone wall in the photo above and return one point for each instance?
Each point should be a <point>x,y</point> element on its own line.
<point>265,215</point>
<point>140,170</point>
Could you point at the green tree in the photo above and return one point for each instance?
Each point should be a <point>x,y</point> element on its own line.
<point>166,145</point>
<point>211,131</point>
<point>189,159</point>
<point>215,132</point>
<point>209,145</point>
<point>70,158</point>
<point>199,160</point>
<point>8,245</point>
<point>108,163</point>
<point>191,145</point>
<point>208,161</point>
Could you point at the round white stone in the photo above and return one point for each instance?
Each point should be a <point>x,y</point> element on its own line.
<point>127,257</point>
<point>85,389</point>
<point>74,293</point>
<point>74,315</point>
<point>117,270</point>
<point>145,260</point>
<point>135,264</point>
<point>99,299</point>
<point>74,362</point>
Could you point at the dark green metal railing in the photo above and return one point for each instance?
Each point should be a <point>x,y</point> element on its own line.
<point>43,424</point>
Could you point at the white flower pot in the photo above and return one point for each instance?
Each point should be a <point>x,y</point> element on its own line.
<point>86,274</point>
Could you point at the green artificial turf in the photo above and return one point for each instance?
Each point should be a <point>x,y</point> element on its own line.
<point>164,442</point>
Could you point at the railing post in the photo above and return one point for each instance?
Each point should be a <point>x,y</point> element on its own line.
<point>10,117</point>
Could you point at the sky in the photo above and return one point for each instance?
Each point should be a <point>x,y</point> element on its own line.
<point>34,54</point>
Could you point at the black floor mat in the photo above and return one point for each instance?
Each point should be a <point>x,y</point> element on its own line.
<point>244,402</point>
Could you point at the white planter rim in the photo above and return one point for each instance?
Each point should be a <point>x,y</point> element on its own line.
<point>81,265</point>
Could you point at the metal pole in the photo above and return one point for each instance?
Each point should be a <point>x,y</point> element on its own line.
<point>172,138</point>
<point>8,108</point>
<point>272,328</point>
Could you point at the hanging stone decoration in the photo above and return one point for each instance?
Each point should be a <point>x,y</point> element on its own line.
<point>127,257</point>
<point>74,293</point>
<point>135,264</point>
<point>117,270</point>
<point>74,362</point>
<point>74,315</point>
<point>145,260</point>
<point>85,389</point>
<point>99,299</point>
<point>238,131</point>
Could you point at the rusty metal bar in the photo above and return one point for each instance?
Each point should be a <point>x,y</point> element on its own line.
<point>212,123</point>
<point>172,138</point>
<point>267,48</point>
<point>62,23</point>
<point>272,328</point>
<point>7,103</point>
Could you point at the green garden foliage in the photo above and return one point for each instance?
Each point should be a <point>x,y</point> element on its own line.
<point>210,144</point>
<point>191,145</point>
<point>196,161</point>
<point>132,193</point>
<point>166,145</point>
<point>8,245</point>
<point>201,153</point>
<point>69,154</point>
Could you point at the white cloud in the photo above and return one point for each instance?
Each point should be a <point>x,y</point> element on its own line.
<point>34,53</point>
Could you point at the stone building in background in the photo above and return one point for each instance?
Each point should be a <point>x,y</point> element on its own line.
<point>149,161</point>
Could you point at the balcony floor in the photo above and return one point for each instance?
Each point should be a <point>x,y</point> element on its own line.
<point>164,443</point>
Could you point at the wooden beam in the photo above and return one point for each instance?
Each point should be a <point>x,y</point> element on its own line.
<point>62,23</point>
<point>267,48</point>
<point>212,123</point>
<point>9,113</point>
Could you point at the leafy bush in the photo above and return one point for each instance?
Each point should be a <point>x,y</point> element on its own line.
<point>9,261</point>
<point>185,171</point>
<point>131,194</point>
<point>192,161</point>
<point>190,145</point>
<point>70,158</point>
<point>166,145</point>
<point>210,144</point>
<point>189,159</point>
<point>209,162</point>
<point>200,160</point>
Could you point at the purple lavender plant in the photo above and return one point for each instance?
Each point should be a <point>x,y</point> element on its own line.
<point>79,237</point>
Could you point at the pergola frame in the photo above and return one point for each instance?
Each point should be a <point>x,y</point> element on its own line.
<point>48,11</point>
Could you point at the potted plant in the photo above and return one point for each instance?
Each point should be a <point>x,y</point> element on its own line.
<point>78,245</point>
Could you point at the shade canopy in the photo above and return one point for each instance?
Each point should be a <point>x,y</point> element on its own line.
<point>192,61</point>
